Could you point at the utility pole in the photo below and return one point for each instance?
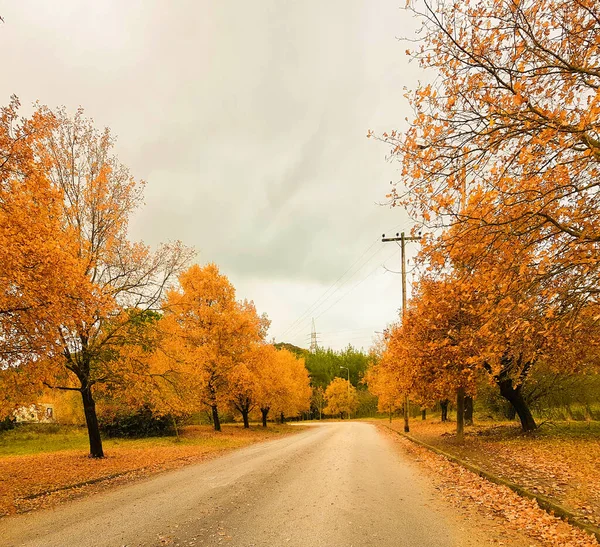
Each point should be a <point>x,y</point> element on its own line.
<point>313,338</point>
<point>403,239</point>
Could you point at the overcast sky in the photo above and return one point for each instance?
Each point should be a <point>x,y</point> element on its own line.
<point>248,120</point>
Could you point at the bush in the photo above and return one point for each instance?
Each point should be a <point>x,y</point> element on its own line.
<point>141,423</point>
<point>7,423</point>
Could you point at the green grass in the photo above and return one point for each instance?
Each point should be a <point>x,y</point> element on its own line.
<point>34,439</point>
<point>42,438</point>
<point>569,430</point>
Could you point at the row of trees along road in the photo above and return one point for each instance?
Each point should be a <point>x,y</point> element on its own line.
<point>326,366</point>
<point>84,309</point>
<point>501,169</point>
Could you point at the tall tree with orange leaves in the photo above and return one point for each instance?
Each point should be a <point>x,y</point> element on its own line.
<point>124,281</point>
<point>214,335</point>
<point>291,393</point>
<point>492,320</point>
<point>40,274</point>
<point>384,377</point>
<point>501,161</point>
<point>510,124</point>
<point>243,388</point>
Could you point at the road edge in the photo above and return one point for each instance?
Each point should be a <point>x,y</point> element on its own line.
<point>110,481</point>
<point>545,503</point>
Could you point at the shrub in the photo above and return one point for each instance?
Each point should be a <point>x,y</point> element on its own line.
<point>139,423</point>
<point>7,423</point>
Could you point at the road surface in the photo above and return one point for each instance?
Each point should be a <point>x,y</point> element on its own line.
<point>334,485</point>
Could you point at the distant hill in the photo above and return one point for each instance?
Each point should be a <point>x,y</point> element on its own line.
<point>298,352</point>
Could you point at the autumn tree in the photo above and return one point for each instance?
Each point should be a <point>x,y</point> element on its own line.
<point>39,275</point>
<point>511,123</point>
<point>153,380</point>
<point>242,390</point>
<point>501,163</point>
<point>384,378</point>
<point>435,345</point>
<point>258,382</point>
<point>125,280</point>
<point>295,384</point>
<point>493,320</point>
<point>341,398</point>
<point>272,388</point>
<point>213,334</point>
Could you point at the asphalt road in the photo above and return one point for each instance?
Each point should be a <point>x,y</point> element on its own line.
<point>336,484</point>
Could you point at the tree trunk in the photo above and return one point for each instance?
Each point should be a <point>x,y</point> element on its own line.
<point>215,416</point>
<point>510,412</point>
<point>245,418</point>
<point>264,412</point>
<point>91,420</point>
<point>515,398</point>
<point>282,418</point>
<point>468,410</point>
<point>406,411</point>
<point>460,414</point>
<point>424,414</point>
<point>175,427</point>
<point>444,406</point>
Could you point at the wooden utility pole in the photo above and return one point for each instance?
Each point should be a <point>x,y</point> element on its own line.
<point>403,239</point>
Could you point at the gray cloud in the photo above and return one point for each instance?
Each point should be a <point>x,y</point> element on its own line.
<point>247,119</point>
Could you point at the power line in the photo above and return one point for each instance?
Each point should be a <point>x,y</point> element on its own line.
<point>355,286</point>
<point>326,295</point>
<point>352,289</point>
<point>303,324</point>
<point>349,330</point>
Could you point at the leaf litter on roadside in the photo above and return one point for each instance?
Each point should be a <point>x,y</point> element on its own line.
<point>464,489</point>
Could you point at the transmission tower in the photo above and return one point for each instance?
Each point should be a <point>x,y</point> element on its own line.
<point>313,338</point>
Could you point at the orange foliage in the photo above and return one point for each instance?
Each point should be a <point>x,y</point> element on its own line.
<point>501,163</point>
<point>76,283</point>
<point>39,273</point>
<point>505,143</point>
<point>83,309</point>
<point>460,326</point>
<point>209,333</point>
<point>341,398</point>
<point>290,394</point>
